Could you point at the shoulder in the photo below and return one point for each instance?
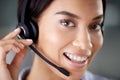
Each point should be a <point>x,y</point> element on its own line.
<point>90,76</point>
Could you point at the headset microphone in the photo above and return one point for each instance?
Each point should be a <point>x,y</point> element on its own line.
<point>29,30</point>
<point>62,70</point>
<point>46,60</point>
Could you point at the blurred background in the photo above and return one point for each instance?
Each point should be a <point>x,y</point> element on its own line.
<point>106,62</point>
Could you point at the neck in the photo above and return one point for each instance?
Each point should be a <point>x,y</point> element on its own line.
<point>41,71</point>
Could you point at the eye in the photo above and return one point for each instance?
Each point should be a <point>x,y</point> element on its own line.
<point>96,27</point>
<point>67,23</point>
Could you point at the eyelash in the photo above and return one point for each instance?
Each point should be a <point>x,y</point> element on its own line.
<point>96,27</point>
<point>70,23</point>
<point>67,23</point>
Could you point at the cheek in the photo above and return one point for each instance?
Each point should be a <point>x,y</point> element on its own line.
<point>97,41</point>
<point>50,43</point>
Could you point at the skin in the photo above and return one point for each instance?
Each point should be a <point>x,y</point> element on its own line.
<point>56,37</point>
<point>10,71</point>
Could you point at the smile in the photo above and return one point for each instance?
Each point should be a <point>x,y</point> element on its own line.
<point>76,58</point>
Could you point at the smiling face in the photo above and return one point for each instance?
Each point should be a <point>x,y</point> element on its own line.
<point>70,34</point>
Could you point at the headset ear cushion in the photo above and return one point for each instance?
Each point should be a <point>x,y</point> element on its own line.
<point>29,30</point>
<point>24,31</point>
<point>33,31</point>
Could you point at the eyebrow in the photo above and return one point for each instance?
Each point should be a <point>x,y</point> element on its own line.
<point>68,14</point>
<point>76,16</point>
<point>98,17</point>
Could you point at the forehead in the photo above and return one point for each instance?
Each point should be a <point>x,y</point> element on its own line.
<point>78,7</point>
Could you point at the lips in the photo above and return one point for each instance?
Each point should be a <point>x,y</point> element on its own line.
<point>76,58</point>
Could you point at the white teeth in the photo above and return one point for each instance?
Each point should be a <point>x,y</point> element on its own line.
<point>75,58</point>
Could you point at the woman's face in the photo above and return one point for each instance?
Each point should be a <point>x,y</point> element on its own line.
<point>70,34</point>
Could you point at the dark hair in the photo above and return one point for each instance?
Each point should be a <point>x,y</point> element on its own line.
<point>104,10</point>
<point>35,7</point>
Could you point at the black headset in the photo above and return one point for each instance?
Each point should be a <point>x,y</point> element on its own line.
<point>29,30</point>
<point>28,26</point>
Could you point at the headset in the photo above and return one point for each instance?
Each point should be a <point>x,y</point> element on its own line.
<point>29,30</point>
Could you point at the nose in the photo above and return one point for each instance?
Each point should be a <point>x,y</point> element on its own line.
<point>83,40</point>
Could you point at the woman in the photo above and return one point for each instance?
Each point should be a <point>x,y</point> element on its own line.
<point>70,35</point>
